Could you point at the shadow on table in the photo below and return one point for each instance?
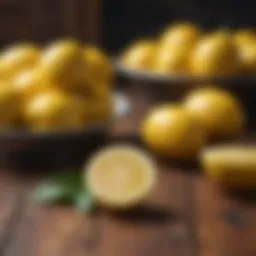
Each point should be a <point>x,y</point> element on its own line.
<point>191,166</point>
<point>145,214</point>
<point>242,195</point>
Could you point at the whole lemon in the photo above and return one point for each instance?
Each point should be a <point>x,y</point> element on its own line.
<point>98,104</point>
<point>17,58</point>
<point>247,57</point>
<point>53,110</point>
<point>171,131</point>
<point>28,83</point>
<point>243,36</point>
<point>63,65</point>
<point>182,34</point>
<point>171,61</point>
<point>9,105</point>
<point>140,55</point>
<point>217,111</point>
<point>215,55</point>
<point>98,65</point>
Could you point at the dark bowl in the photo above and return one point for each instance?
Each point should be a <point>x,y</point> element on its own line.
<point>27,150</point>
<point>31,150</point>
<point>155,88</point>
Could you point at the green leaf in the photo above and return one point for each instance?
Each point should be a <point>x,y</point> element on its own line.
<point>61,187</point>
<point>65,187</point>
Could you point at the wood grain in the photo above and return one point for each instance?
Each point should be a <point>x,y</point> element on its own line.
<point>226,222</point>
<point>12,195</point>
<point>156,228</point>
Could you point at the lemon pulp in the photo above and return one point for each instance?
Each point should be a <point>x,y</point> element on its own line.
<point>120,175</point>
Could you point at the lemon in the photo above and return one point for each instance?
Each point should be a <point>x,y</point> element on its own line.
<point>9,105</point>
<point>53,110</point>
<point>99,107</point>
<point>171,60</point>
<point>175,46</point>
<point>140,55</point>
<point>218,112</point>
<point>62,65</point>
<point>182,34</point>
<point>243,36</point>
<point>28,83</point>
<point>120,176</point>
<point>171,131</point>
<point>17,58</point>
<point>98,65</point>
<point>215,55</point>
<point>231,165</point>
<point>247,55</point>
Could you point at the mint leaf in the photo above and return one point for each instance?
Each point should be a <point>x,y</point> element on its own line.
<point>63,187</point>
<point>68,187</point>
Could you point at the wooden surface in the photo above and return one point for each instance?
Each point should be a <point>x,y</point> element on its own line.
<point>186,215</point>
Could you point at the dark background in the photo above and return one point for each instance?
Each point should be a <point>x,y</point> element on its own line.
<point>127,20</point>
<point>113,23</point>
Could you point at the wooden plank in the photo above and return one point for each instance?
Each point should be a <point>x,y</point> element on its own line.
<point>12,194</point>
<point>160,227</point>
<point>226,223</point>
<point>52,232</point>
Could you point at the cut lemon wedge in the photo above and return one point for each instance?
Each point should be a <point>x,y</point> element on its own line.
<point>120,176</point>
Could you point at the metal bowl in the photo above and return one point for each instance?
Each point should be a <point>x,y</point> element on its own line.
<point>31,150</point>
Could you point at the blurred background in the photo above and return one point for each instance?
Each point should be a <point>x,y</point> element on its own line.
<point>114,23</point>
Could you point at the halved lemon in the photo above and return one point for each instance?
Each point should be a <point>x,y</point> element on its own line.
<point>120,176</point>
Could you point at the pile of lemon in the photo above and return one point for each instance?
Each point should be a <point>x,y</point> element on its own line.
<point>122,176</point>
<point>185,131</point>
<point>181,130</point>
<point>63,86</point>
<point>183,49</point>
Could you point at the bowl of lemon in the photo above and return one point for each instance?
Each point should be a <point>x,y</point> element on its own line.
<point>184,53</point>
<point>54,101</point>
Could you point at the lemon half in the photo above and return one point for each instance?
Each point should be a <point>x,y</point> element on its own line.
<point>120,176</point>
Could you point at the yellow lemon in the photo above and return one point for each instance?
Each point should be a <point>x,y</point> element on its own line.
<point>247,57</point>
<point>9,105</point>
<point>172,60</point>
<point>215,55</point>
<point>120,176</point>
<point>28,83</point>
<point>176,44</point>
<point>217,111</point>
<point>140,55</point>
<point>53,110</point>
<point>183,34</point>
<point>17,58</point>
<point>98,65</point>
<point>98,104</point>
<point>231,165</point>
<point>171,131</point>
<point>63,65</point>
<point>243,36</point>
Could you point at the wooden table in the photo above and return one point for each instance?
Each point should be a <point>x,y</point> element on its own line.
<point>186,215</point>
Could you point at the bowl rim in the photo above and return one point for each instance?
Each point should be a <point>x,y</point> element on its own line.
<point>30,134</point>
<point>150,76</point>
